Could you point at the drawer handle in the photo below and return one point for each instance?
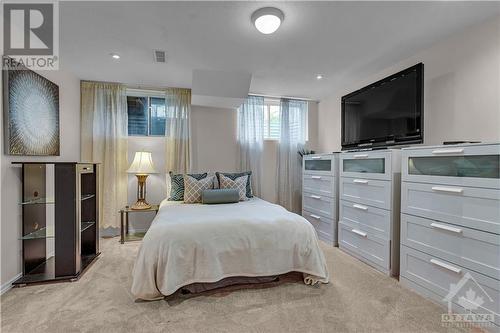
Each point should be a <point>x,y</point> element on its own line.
<point>315,216</point>
<point>445,227</point>
<point>357,232</point>
<point>315,177</point>
<point>360,181</point>
<point>360,207</point>
<point>315,157</point>
<point>361,156</point>
<point>315,196</point>
<point>448,151</point>
<point>448,189</point>
<point>446,266</point>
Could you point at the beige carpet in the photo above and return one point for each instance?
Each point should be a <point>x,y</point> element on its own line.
<point>359,299</point>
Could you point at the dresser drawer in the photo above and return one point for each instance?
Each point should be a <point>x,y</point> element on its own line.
<point>372,220</point>
<point>318,204</point>
<point>372,165</point>
<point>317,184</point>
<point>320,165</point>
<point>439,276</point>
<point>367,246</point>
<point>370,192</point>
<point>476,250</point>
<point>473,165</point>
<point>476,208</point>
<point>325,227</point>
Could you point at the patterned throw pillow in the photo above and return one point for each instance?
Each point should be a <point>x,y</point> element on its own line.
<point>177,185</point>
<point>193,188</point>
<point>239,183</point>
<point>235,175</point>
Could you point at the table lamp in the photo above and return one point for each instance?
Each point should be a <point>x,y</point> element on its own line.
<point>141,167</point>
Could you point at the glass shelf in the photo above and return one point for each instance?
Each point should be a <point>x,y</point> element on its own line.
<point>87,196</point>
<point>46,232</point>
<point>38,201</point>
<point>86,225</point>
<point>43,272</point>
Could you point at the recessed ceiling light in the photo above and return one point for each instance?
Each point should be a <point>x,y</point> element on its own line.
<point>319,77</point>
<point>268,19</point>
<point>115,56</point>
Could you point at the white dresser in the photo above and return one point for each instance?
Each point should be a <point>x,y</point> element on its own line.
<point>369,207</point>
<point>450,225</point>
<point>320,194</point>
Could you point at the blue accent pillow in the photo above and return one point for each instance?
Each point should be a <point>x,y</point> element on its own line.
<point>220,196</point>
<point>177,184</point>
<point>234,175</point>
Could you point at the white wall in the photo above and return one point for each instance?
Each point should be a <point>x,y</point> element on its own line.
<point>213,135</point>
<point>69,122</point>
<point>462,90</point>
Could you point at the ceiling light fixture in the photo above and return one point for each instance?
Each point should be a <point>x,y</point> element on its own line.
<point>268,19</point>
<point>319,77</point>
<point>115,56</point>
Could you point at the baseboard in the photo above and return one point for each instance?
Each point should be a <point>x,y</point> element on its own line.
<point>8,285</point>
<point>438,299</point>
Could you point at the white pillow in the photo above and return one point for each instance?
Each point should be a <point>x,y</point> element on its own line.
<point>239,183</point>
<point>193,188</point>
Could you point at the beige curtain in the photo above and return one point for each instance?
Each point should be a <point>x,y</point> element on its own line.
<point>177,130</point>
<point>104,140</point>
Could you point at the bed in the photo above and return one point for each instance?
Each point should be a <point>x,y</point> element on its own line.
<point>194,243</point>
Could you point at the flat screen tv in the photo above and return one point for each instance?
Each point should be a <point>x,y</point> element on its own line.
<point>386,113</point>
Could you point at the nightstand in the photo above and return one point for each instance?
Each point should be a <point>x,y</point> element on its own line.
<point>124,234</point>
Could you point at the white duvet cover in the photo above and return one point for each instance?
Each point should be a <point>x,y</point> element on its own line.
<point>189,243</point>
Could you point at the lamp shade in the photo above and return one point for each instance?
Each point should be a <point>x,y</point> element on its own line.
<point>142,164</point>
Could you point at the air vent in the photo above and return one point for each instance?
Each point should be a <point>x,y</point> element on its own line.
<point>160,56</point>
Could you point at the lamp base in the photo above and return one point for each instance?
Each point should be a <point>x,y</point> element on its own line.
<point>141,193</point>
<point>140,204</point>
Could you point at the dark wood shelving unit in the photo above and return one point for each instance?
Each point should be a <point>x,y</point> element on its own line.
<point>60,216</point>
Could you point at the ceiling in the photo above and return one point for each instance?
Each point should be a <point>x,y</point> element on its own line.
<point>337,39</point>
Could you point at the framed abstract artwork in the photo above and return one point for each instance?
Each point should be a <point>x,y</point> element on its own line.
<point>31,113</point>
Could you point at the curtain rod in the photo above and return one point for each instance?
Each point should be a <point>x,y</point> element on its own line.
<point>287,97</point>
<point>105,82</point>
<point>157,89</point>
<point>139,87</point>
<point>250,94</point>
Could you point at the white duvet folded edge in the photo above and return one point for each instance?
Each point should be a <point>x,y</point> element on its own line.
<point>312,280</point>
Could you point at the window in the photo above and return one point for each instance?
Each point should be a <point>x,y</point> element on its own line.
<point>272,120</point>
<point>146,115</point>
<point>157,116</point>
<point>272,123</point>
